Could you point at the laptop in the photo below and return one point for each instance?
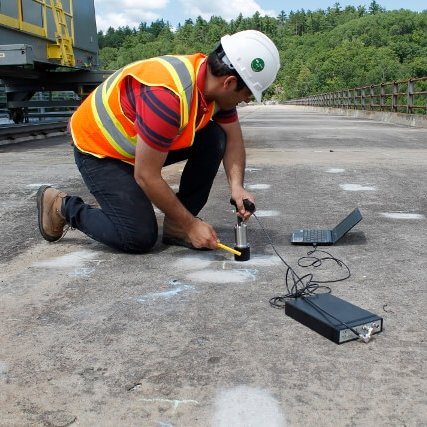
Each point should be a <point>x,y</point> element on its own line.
<point>327,237</point>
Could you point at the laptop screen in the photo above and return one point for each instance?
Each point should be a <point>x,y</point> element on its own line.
<point>347,223</point>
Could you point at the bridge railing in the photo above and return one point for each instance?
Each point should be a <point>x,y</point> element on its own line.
<point>405,96</point>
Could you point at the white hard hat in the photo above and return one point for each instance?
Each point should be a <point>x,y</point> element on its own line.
<point>255,58</point>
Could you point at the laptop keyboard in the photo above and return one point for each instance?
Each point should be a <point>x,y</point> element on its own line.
<point>316,236</point>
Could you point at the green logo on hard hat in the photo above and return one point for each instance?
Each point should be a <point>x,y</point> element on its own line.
<point>257,65</point>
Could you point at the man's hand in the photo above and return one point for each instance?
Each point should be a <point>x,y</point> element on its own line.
<point>202,235</point>
<point>238,196</point>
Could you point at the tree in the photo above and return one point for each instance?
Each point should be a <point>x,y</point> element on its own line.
<point>375,8</point>
<point>158,26</point>
<point>107,56</point>
<point>282,17</point>
<point>320,50</point>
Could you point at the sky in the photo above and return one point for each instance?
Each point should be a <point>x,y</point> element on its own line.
<point>120,13</point>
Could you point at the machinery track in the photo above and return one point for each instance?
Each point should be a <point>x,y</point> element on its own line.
<point>18,133</point>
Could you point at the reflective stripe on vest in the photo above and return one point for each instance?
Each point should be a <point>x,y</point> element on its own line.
<point>179,68</point>
<point>109,125</point>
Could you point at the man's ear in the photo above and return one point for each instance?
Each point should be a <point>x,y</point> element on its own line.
<point>230,82</point>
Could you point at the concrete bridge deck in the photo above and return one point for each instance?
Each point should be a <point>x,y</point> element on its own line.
<point>182,338</point>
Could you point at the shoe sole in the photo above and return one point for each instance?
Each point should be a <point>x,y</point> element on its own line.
<point>40,194</point>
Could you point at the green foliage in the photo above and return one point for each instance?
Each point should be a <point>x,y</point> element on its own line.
<point>321,51</point>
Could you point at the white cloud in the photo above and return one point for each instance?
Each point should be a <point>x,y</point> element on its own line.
<point>121,13</point>
<point>227,9</point>
<point>115,20</point>
<point>124,6</point>
<point>141,4</point>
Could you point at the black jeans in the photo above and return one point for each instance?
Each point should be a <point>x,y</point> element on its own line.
<point>126,220</point>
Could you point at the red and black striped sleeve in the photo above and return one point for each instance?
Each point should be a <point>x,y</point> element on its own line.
<point>155,111</point>
<point>226,116</point>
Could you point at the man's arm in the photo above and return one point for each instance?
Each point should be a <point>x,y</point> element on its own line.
<point>148,175</point>
<point>234,164</point>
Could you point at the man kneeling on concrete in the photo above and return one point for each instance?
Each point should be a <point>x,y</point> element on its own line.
<point>150,114</point>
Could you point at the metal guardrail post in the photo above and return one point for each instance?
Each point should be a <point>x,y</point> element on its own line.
<point>394,99</point>
<point>382,96</point>
<point>410,97</point>
<point>375,97</point>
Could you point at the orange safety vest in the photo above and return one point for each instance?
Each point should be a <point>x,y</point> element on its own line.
<point>99,126</point>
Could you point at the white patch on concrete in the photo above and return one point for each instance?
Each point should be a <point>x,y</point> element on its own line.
<point>258,186</point>
<point>257,261</point>
<point>262,213</point>
<point>175,187</point>
<point>356,187</point>
<point>402,215</point>
<point>252,169</point>
<point>174,402</point>
<point>177,288</point>
<point>192,263</point>
<point>83,272</point>
<point>74,259</point>
<point>4,369</point>
<point>31,186</point>
<point>247,407</point>
<point>335,170</point>
<point>224,276</point>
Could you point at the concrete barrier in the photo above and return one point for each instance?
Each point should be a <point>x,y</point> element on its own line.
<point>413,120</point>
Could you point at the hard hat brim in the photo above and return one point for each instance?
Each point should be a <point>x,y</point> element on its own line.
<point>257,94</point>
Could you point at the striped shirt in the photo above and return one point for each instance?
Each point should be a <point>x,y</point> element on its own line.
<point>155,110</point>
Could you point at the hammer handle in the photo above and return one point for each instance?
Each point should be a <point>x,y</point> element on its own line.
<point>249,206</point>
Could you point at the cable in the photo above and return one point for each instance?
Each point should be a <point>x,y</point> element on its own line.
<point>306,285</point>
